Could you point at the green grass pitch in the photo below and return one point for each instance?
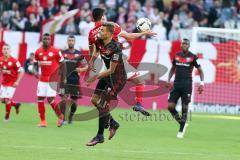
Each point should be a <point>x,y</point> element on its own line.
<point>207,138</point>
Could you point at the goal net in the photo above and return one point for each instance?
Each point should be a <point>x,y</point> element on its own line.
<point>219,55</point>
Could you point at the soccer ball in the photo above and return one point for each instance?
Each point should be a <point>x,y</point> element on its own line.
<point>143,24</point>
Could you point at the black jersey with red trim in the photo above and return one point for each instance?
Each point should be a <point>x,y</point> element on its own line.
<point>72,61</point>
<point>112,52</point>
<point>184,62</point>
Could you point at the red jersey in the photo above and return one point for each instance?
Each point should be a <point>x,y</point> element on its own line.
<point>11,67</point>
<point>49,60</point>
<point>93,33</point>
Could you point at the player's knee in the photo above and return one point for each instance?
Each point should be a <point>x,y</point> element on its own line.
<point>50,100</point>
<point>138,81</point>
<point>171,106</point>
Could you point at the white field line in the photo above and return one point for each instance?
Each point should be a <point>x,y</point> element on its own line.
<point>92,149</point>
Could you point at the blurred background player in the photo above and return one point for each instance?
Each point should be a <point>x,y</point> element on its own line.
<point>49,59</point>
<point>98,15</point>
<point>182,66</point>
<point>74,63</point>
<point>29,64</point>
<point>12,73</point>
<point>111,81</point>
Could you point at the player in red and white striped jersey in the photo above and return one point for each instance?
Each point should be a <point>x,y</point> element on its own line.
<point>12,73</point>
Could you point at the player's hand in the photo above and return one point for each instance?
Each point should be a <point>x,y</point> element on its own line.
<point>200,89</point>
<point>150,33</point>
<point>91,80</point>
<point>168,85</point>
<point>15,84</point>
<point>91,67</point>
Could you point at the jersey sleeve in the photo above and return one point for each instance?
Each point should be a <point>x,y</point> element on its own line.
<point>195,62</point>
<point>18,66</point>
<point>59,56</point>
<point>91,39</point>
<point>117,29</point>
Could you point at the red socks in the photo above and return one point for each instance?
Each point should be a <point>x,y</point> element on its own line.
<point>8,110</point>
<point>55,108</point>
<point>139,92</point>
<point>41,110</point>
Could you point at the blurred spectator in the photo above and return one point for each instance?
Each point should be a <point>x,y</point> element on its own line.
<point>173,15</point>
<point>29,64</point>
<point>161,30</point>
<point>32,24</point>
<point>17,23</point>
<point>51,10</point>
<point>214,14</point>
<point>155,16</point>
<point>85,11</point>
<point>86,25</point>
<point>40,17</point>
<point>70,27</point>
<point>5,19</point>
<point>33,8</point>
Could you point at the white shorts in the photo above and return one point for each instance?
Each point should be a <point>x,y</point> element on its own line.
<point>47,89</point>
<point>7,92</point>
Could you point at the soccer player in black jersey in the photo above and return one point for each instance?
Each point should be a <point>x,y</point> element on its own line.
<point>182,65</point>
<point>74,63</point>
<point>111,81</point>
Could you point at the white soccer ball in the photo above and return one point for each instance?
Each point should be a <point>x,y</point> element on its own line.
<point>143,24</point>
<point>30,68</point>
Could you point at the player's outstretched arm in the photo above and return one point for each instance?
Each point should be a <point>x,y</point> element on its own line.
<point>200,88</point>
<point>132,36</point>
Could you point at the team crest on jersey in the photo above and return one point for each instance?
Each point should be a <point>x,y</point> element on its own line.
<point>108,52</point>
<point>45,58</point>
<point>188,59</point>
<point>9,63</point>
<point>4,67</point>
<point>50,54</point>
<point>40,54</point>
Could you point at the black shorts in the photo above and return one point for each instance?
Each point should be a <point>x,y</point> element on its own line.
<point>72,90</point>
<point>183,90</point>
<point>105,85</point>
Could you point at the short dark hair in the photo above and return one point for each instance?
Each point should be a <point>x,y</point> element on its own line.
<point>109,26</point>
<point>97,14</point>
<point>71,36</point>
<point>187,40</point>
<point>46,34</point>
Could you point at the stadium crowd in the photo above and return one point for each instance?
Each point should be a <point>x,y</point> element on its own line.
<point>167,16</point>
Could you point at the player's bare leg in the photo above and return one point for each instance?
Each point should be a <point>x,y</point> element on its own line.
<point>56,109</point>
<point>41,111</point>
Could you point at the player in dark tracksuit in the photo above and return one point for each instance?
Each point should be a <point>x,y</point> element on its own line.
<point>74,62</point>
<point>183,64</point>
<point>111,81</point>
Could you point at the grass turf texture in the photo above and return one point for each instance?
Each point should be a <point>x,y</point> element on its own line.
<point>207,138</point>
